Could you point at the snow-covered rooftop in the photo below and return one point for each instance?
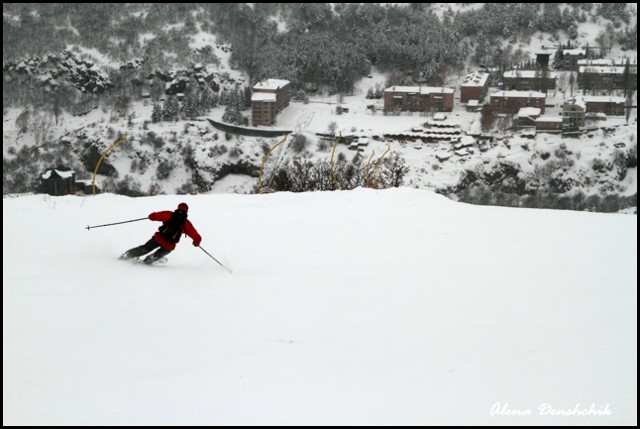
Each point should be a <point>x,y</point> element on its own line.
<point>516,94</point>
<point>549,119</point>
<point>528,111</point>
<point>419,89</point>
<point>603,99</point>
<point>271,84</point>
<point>607,62</point>
<point>62,173</point>
<point>598,62</point>
<point>574,51</point>
<point>263,96</point>
<point>467,141</point>
<point>530,74</point>
<point>476,78</point>
<point>601,69</point>
<point>576,102</point>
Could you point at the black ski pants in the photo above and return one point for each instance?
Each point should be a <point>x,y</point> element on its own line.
<point>147,247</point>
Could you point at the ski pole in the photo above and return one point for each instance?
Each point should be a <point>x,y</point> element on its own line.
<point>116,223</point>
<point>219,263</point>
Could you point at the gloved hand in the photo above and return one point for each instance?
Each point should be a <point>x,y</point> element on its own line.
<point>196,243</point>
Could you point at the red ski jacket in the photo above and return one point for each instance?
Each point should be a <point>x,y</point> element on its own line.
<point>188,229</point>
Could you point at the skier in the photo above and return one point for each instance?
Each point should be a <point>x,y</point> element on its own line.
<point>174,224</point>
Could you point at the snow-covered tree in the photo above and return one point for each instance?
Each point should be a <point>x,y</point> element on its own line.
<point>170,109</point>
<point>156,114</point>
<point>232,115</point>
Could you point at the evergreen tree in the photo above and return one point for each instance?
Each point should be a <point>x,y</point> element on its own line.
<point>215,99</point>
<point>170,109</point>
<point>626,78</point>
<point>239,107</point>
<point>615,12</point>
<point>232,115</point>
<point>248,91</point>
<point>205,100</point>
<point>225,98</point>
<point>551,18</point>
<point>237,99</point>
<point>567,18</point>
<point>190,106</point>
<point>156,115</point>
<point>629,39</point>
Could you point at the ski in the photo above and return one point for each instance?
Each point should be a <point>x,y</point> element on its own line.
<point>138,260</point>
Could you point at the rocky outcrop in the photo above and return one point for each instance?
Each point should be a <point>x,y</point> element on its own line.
<point>53,69</point>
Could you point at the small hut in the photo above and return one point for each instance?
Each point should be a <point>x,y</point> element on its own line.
<point>58,181</point>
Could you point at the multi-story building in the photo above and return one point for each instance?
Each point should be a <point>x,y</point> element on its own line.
<point>418,99</point>
<point>606,62</point>
<point>513,101</point>
<point>549,124</point>
<point>269,98</point>
<point>604,104</point>
<point>474,87</point>
<point>573,115</point>
<point>607,73</point>
<point>527,116</point>
<point>570,58</point>
<point>529,80</point>
<point>607,77</point>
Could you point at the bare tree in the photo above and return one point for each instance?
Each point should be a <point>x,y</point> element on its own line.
<point>603,42</point>
<point>121,106</point>
<point>442,74</point>
<point>41,127</point>
<point>22,121</point>
<point>56,108</point>
<point>572,82</point>
<point>487,118</point>
<point>298,143</point>
<point>626,78</point>
<point>394,170</point>
<point>331,128</point>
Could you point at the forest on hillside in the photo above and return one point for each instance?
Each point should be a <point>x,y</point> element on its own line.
<point>308,44</point>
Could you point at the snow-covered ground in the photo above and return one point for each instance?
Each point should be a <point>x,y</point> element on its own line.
<point>426,170</point>
<point>428,167</point>
<point>234,184</point>
<point>360,307</point>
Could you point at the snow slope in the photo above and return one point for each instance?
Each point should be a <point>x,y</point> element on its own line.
<point>361,307</point>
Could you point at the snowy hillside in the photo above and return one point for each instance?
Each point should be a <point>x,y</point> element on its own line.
<point>363,307</point>
<point>70,92</point>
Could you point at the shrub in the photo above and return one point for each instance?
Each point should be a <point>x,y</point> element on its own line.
<point>599,165</point>
<point>298,142</point>
<point>165,168</point>
<point>632,157</point>
<point>129,187</point>
<point>235,152</point>
<point>265,147</point>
